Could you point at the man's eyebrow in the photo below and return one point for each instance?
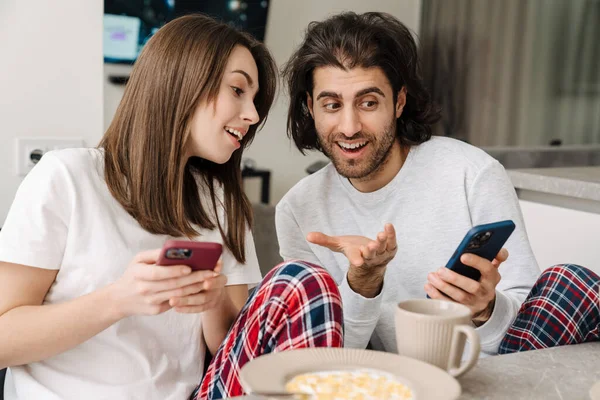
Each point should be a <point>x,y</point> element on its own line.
<point>329,94</point>
<point>372,89</point>
<point>248,78</point>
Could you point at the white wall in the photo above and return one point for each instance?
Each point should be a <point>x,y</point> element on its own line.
<point>50,77</point>
<point>561,235</point>
<point>285,28</point>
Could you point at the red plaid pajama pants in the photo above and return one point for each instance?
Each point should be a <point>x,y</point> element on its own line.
<point>562,308</point>
<point>297,305</point>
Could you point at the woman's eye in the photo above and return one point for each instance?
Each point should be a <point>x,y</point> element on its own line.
<point>237,90</point>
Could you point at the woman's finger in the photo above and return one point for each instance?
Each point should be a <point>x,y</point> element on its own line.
<point>219,267</point>
<point>176,293</point>
<point>146,272</point>
<point>197,299</point>
<point>149,287</point>
<point>217,282</point>
<point>147,257</point>
<point>194,309</point>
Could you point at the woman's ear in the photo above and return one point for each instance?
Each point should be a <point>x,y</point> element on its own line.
<point>309,104</point>
<point>400,101</point>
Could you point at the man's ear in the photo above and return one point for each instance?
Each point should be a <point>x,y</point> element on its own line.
<point>309,104</point>
<point>400,101</point>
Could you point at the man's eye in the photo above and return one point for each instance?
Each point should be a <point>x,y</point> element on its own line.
<point>369,103</point>
<point>331,106</point>
<point>237,90</point>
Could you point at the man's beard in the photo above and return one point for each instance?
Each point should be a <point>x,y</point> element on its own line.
<point>359,169</point>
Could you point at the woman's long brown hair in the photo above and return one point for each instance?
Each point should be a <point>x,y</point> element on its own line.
<point>145,164</point>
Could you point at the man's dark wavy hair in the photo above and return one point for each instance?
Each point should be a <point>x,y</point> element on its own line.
<point>366,40</point>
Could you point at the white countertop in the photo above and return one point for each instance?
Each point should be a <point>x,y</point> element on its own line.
<point>577,182</point>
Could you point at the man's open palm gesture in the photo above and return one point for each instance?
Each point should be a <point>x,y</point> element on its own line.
<point>359,250</point>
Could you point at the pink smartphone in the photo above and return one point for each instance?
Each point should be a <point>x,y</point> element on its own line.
<point>197,255</point>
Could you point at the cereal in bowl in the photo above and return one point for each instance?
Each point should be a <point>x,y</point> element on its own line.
<point>363,384</point>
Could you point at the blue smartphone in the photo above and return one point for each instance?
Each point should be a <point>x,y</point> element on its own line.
<point>484,241</point>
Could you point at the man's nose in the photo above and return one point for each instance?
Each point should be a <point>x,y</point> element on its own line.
<point>350,122</point>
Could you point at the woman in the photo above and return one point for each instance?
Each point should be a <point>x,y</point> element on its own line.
<point>84,309</point>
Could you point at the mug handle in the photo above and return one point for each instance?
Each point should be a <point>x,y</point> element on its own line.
<point>454,365</point>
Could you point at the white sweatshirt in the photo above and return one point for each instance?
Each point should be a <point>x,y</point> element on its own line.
<point>444,188</point>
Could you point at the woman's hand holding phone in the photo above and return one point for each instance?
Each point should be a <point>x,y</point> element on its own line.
<point>479,296</point>
<point>205,260</point>
<point>211,293</point>
<point>149,289</point>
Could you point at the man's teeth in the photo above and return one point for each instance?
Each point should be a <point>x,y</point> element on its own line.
<point>351,146</point>
<point>235,132</point>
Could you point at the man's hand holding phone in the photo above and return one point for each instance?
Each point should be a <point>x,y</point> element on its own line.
<point>368,258</point>
<point>479,296</point>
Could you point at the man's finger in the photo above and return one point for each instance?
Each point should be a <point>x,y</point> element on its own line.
<point>390,232</point>
<point>375,248</point>
<point>367,252</point>
<point>324,240</point>
<point>435,294</point>
<point>451,291</point>
<point>500,258</point>
<point>462,282</point>
<point>355,256</point>
<point>484,266</point>
<point>381,242</point>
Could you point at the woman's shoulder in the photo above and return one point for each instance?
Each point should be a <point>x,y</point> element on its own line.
<point>75,158</point>
<point>73,164</point>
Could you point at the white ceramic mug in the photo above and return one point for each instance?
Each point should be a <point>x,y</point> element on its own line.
<point>435,331</point>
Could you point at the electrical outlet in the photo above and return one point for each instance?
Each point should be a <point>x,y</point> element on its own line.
<point>31,150</point>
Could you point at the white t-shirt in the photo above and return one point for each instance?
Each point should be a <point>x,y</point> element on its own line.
<point>444,188</point>
<point>64,218</point>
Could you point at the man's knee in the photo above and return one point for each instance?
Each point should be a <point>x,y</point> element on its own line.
<point>559,268</point>
<point>567,278</point>
<point>568,270</point>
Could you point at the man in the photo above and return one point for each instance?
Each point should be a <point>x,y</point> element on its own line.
<point>386,215</point>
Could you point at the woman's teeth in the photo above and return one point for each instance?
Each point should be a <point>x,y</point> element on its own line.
<point>235,133</point>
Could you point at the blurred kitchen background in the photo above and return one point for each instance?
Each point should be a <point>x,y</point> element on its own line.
<point>519,78</point>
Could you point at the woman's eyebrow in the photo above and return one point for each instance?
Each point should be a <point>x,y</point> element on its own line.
<point>246,75</point>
